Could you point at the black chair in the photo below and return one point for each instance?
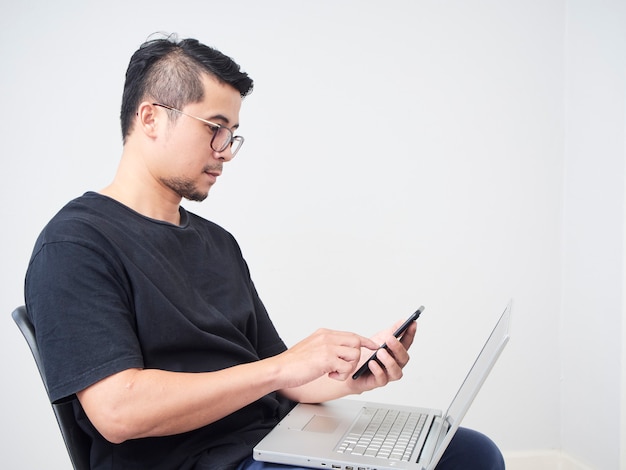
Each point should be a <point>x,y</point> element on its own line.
<point>76,441</point>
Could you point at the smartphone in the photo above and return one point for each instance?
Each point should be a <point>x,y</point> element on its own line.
<point>398,333</point>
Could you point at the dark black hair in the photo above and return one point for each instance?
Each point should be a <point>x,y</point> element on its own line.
<point>170,71</point>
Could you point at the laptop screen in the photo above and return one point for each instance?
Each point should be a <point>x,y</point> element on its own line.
<point>474,379</point>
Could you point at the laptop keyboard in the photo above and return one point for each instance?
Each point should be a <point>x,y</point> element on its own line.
<point>388,434</point>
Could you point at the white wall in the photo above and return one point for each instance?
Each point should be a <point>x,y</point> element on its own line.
<point>592,336</point>
<point>397,153</point>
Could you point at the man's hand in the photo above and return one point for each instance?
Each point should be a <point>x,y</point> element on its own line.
<point>334,354</point>
<point>393,359</point>
<point>319,388</point>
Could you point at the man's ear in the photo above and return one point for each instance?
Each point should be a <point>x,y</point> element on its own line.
<point>148,120</point>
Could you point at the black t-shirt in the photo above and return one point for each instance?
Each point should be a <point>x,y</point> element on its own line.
<point>109,289</point>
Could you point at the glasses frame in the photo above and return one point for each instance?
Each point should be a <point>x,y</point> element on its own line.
<point>229,143</point>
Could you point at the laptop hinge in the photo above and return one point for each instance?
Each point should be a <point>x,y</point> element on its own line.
<point>436,434</point>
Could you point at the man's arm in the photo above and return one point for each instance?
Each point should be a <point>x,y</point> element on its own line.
<point>138,403</point>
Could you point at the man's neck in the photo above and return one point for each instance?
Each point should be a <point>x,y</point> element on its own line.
<point>142,193</point>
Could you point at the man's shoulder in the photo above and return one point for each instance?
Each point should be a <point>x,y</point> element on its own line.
<point>200,222</point>
<point>81,216</point>
<point>90,205</point>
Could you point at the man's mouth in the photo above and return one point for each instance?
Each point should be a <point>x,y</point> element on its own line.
<point>214,171</point>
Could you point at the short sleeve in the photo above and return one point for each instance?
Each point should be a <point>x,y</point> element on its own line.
<point>269,341</point>
<point>79,302</point>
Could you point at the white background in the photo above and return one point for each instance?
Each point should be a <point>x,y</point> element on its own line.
<point>454,154</point>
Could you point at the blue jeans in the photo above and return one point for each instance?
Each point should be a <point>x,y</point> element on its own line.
<point>468,450</point>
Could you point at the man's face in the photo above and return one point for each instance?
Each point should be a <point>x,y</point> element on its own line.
<point>187,164</point>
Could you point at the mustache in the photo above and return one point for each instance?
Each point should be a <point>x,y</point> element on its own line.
<point>210,168</point>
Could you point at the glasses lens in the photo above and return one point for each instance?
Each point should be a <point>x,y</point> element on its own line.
<point>236,145</point>
<point>221,139</point>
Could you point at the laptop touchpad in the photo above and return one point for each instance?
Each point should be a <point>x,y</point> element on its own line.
<point>321,424</point>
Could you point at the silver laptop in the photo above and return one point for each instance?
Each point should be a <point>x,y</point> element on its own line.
<point>355,435</point>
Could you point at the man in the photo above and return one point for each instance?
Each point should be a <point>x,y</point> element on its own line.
<point>147,313</point>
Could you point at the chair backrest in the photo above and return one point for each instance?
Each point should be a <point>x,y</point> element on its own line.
<point>76,440</point>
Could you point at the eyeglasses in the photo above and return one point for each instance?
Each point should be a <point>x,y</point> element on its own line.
<point>223,137</point>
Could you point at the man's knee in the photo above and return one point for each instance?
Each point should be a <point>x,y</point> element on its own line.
<point>471,450</point>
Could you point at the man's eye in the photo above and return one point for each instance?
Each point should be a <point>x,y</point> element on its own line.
<point>213,129</point>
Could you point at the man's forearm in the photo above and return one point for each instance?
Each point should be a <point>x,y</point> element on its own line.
<point>147,402</point>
